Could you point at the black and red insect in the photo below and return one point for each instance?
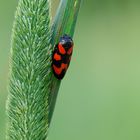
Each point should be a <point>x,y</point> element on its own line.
<point>61,56</point>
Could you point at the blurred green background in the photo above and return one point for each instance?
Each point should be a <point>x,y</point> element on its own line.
<point>99,98</point>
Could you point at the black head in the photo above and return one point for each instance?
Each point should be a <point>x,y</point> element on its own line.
<point>66,41</point>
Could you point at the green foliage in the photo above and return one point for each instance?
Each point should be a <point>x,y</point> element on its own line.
<point>64,23</point>
<point>30,72</point>
<point>32,87</point>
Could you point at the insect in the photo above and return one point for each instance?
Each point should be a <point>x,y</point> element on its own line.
<point>62,56</point>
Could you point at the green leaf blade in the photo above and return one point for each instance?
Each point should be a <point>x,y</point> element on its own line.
<point>65,19</point>
<point>64,23</point>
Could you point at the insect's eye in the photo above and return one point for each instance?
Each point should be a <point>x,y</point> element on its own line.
<point>61,49</point>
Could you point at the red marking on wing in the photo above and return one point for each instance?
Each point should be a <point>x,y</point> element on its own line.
<point>61,49</point>
<point>57,57</point>
<point>64,66</point>
<point>70,51</point>
<point>59,70</point>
